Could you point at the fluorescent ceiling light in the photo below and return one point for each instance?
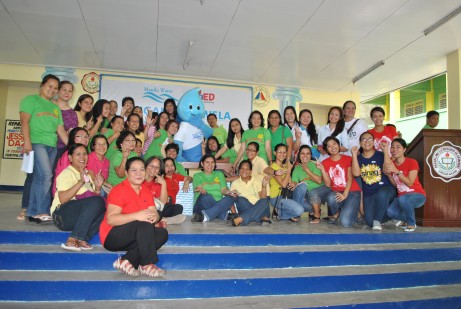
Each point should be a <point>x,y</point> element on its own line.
<point>186,60</point>
<point>442,21</point>
<point>363,74</point>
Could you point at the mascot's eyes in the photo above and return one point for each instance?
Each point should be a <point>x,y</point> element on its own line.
<point>190,106</point>
<point>198,108</point>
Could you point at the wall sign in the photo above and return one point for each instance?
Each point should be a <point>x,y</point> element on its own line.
<point>444,161</point>
<point>12,145</point>
<point>90,82</point>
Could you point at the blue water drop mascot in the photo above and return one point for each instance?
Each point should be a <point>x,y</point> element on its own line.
<point>192,130</point>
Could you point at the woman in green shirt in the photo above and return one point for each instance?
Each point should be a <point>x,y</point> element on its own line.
<point>116,127</point>
<point>256,133</point>
<point>212,197</point>
<point>279,133</point>
<point>310,190</point>
<point>125,143</point>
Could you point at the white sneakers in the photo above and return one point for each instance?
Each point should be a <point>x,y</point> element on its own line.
<point>377,226</point>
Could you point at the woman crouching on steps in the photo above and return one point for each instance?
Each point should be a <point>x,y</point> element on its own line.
<point>129,224</point>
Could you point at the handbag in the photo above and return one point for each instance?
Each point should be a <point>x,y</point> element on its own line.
<point>286,193</point>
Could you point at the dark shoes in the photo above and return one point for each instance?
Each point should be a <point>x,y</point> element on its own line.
<point>197,218</point>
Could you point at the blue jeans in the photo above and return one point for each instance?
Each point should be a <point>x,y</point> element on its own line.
<point>26,191</point>
<point>287,208</point>
<point>40,192</point>
<point>403,207</point>
<point>82,217</point>
<point>252,213</point>
<point>349,207</point>
<point>208,206</point>
<point>375,205</point>
<point>304,197</point>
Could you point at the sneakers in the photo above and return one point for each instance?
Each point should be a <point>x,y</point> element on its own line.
<point>197,218</point>
<point>152,271</point>
<point>397,223</point>
<point>377,226</point>
<point>410,228</point>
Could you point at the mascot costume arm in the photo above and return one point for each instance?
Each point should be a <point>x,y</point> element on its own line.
<point>192,130</point>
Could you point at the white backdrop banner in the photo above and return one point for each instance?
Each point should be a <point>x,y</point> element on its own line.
<point>226,101</point>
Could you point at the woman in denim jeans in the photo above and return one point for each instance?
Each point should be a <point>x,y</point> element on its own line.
<point>310,190</point>
<point>40,121</point>
<point>77,205</point>
<point>403,174</point>
<point>344,201</point>
<point>284,208</point>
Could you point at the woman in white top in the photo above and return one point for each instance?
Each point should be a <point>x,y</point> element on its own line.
<point>335,127</point>
<point>354,126</point>
<point>308,132</point>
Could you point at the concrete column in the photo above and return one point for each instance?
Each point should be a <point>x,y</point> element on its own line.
<point>394,106</point>
<point>454,89</point>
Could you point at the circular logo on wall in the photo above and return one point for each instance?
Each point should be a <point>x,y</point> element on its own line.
<point>445,161</point>
<point>261,97</point>
<point>90,82</point>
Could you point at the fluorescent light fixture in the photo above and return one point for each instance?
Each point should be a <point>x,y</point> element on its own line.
<point>361,75</point>
<point>442,21</point>
<point>186,60</point>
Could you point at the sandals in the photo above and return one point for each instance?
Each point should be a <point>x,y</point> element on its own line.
<point>125,267</point>
<point>71,245</point>
<point>315,220</point>
<point>235,224</point>
<point>152,271</point>
<point>265,220</point>
<point>84,245</point>
<point>275,215</point>
<point>294,219</point>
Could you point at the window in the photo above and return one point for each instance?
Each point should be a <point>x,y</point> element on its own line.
<point>414,108</point>
<point>442,100</point>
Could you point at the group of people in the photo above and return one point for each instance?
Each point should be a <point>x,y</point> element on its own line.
<point>95,170</point>
<point>362,174</point>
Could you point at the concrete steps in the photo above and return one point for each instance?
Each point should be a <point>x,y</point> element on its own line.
<point>393,270</point>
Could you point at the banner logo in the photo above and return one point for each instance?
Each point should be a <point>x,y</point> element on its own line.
<point>90,82</point>
<point>151,93</point>
<point>445,162</point>
<point>261,97</point>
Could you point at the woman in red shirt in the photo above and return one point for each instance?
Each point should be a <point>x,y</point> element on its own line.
<point>129,224</point>
<point>381,132</point>
<point>403,174</point>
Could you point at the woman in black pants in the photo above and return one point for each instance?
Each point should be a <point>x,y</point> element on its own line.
<point>129,224</point>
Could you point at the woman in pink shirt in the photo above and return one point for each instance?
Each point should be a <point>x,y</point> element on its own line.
<point>97,162</point>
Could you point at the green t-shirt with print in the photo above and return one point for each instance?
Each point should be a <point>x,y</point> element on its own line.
<point>156,145</point>
<point>221,134</point>
<point>260,136</point>
<point>279,136</point>
<point>115,161</point>
<point>231,154</point>
<point>45,117</point>
<point>299,175</point>
<point>212,183</point>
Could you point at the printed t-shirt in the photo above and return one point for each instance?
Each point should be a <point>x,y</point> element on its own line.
<point>156,145</point>
<point>248,190</point>
<point>172,185</point>
<point>408,165</point>
<point>354,135</point>
<point>260,136</point>
<point>115,161</point>
<point>189,135</point>
<point>371,172</point>
<point>387,135</point>
<point>279,136</point>
<point>299,175</point>
<point>212,183</point>
<point>221,134</point>
<point>337,171</point>
<point>45,117</point>
<point>124,196</point>
<point>66,180</point>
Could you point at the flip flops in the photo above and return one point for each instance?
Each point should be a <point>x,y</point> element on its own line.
<point>71,245</point>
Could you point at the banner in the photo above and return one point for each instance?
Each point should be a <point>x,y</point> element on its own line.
<point>12,145</point>
<point>226,101</point>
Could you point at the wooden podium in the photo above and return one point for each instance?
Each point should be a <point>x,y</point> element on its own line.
<point>438,153</point>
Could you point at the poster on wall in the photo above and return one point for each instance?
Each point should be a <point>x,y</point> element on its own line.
<point>226,101</point>
<point>12,145</point>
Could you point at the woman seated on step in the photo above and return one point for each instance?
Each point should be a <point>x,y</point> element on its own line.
<point>285,208</point>
<point>310,190</point>
<point>344,200</point>
<point>212,197</point>
<point>251,201</point>
<point>173,211</point>
<point>77,204</point>
<point>378,192</point>
<point>403,174</point>
<point>129,224</point>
